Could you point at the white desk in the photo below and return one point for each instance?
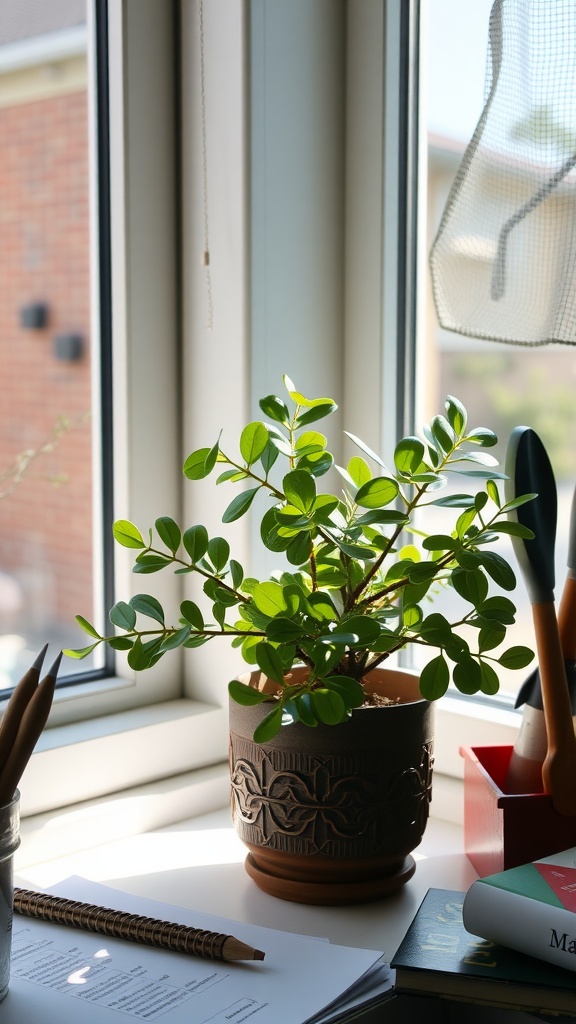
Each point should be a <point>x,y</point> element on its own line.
<point>199,864</point>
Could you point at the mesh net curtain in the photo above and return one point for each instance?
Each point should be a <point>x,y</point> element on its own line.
<point>504,260</point>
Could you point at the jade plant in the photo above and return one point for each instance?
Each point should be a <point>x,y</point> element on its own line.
<point>358,569</point>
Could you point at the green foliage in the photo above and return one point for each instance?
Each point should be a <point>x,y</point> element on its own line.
<point>359,567</point>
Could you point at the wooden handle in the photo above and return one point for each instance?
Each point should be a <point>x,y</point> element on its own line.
<point>567,619</point>
<point>559,768</point>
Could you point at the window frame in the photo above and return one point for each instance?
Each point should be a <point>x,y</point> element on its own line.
<point>111,735</point>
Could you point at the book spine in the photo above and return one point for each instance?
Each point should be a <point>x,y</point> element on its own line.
<point>524,924</point>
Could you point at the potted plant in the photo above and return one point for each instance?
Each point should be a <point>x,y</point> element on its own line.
<point>331,751</point>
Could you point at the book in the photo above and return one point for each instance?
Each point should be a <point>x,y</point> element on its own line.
<point>439,956</point>
<point>531,908</point>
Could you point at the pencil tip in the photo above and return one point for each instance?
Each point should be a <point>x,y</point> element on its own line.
<point>40,658</point>
<point>53,670</point>
<point>258,954</point>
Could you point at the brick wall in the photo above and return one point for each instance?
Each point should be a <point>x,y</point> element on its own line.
<point>45,531</point>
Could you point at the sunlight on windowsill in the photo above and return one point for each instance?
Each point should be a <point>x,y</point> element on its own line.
<point>154,852</point>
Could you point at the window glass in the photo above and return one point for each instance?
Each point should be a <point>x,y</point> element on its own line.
<point>46,416</point>
<point>501,385</point>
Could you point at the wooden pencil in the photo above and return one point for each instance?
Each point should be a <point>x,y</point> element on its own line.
<point>149,930</point>
<point>17,704</point>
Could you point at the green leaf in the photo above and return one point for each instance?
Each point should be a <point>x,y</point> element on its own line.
<point>298,550</point>
<point>377,492</point>
<point>218,552</point>
<point>457,415</point>
<point>270,662</point>
<point>253,440</point>
<point>270,726</point>
<point>499,609</point>
<point>467,677</point>
<point>196,542</point>
<point>464,521</point>
<point>201,463</point>
<point>123,616</point>
<point>324,658</point>
<point>411,616</point>
<point>439,542</point>
<point>328,706</point>
<point>178,638</point>
<point>472,585</point>
<point>516,502</point>
<point>498,569</point>
<point>236,573</point>
<point>316,463</point>
<point>282,630</point>
<point>138,658</point>
<point>300,490</point>
<point>434,679</point>
<point>120,643</point>
<point>230,474</point>
<point>359,471</point>
<point>492,489</point>
<point>275,408</point>
<point>240,505</point>
<point>128,535</point>
<point>310,442</point>
<point>442,434</point>
<point>169,533</point>
<point>80,652</point>
<point>490,682</point>
<point>305,711</point>
<point>482,436</point>
<point>247,696</point>
<point>513,529</point>
<point>192,614</point>
<point>149,606</point>
<point>408,455</point>
<point>269,457</point>
<point>453,501</point>
<point>322,607</point>
<point>269,534</point>
<point>436,629</point>
<point>516,657</point>
<point>146,564</point>
<point>366,629</point>
<point>367,451</point>
<point>270,599</point>
<point>348,689</point>
<point>491,636</point>
<point>383,516</point>
<point>88,627</point>
<point>323,408</point>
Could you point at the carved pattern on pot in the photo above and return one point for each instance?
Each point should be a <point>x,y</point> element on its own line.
<point>326,805</point>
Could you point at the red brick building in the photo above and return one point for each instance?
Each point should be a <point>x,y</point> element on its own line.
<point>45,528</point>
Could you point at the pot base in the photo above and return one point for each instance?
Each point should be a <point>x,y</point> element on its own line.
<point>329,894</point>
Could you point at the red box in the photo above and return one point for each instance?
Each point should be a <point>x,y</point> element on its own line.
<point>503,830</point>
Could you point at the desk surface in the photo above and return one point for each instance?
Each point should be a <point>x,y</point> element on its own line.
<point>199,864</point>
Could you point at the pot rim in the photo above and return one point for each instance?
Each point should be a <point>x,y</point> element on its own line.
<point>378,681</point>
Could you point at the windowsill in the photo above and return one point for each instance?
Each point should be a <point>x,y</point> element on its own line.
<point>83,762</point>
<point>198,862</point>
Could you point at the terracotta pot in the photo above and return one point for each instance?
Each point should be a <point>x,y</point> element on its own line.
<point>330,815</point>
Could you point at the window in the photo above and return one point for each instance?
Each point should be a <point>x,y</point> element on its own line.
<point>296,171</point>
<point>47,470</point>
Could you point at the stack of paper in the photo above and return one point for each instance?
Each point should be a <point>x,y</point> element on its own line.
<point>60,973</point>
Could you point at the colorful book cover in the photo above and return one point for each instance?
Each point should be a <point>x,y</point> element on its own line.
<point>438,956</point>
<point>531,908</point>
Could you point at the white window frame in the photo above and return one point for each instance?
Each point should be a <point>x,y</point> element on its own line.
<point>338,334</point>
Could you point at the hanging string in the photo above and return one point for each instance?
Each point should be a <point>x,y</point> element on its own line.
<point>206,251</point>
